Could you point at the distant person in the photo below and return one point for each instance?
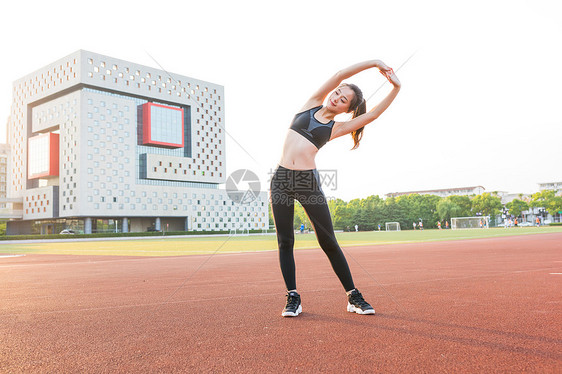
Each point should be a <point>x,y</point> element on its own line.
<point>356,228</point>
<point>480,223</point>
<point>296,176</point>
<point>302,228</point>
<point>538,221</point>
<point>515,222</point>
<point>379,227</point>
<point>414,224</point>
<point>439,225</point>
<point>446,224</point>
<point>420,225</point>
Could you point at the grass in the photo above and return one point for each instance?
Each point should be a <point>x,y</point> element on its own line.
<point>174,246</point>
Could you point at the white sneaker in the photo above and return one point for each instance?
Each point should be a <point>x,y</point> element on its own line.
<point>356,304</point>
<point>293,307</point>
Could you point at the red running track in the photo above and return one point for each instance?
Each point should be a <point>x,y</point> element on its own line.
<point>485,305</point>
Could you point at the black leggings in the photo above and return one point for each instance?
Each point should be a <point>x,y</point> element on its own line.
<point>304,186</point>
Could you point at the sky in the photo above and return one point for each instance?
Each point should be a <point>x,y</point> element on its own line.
<point>481,97</point>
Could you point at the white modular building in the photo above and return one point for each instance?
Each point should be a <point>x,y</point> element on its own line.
<point>4,165</point>
<point>101,144</point>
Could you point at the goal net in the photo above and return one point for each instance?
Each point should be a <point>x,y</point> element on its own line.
<point>392,226</point>
<point>459,223</point>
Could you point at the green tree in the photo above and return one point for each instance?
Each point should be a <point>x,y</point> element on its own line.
<point>487,204</point>
<point>447,209</point>
<point>342,217</point>
<point>353,213</point>
<point>429,209</point>
<point>464,203</point>
<point>516,207</point>
<point>394,211</point>
<point>300,217</point>
<point>555,205</point>
<point>336,205</point>
<point>271,220</point>
<point>541,198</point>
<point>410,208</point>
<point>370,215</point>
<point>547,199</point>
<point>454,206</point>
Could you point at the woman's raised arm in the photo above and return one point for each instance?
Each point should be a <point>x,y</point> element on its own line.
<point>318,97</point>
<point>343,128</point>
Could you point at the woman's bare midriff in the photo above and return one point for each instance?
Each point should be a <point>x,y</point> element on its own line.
<point>298,152</point>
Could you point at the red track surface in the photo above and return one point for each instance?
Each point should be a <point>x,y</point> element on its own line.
<point>487,305</point>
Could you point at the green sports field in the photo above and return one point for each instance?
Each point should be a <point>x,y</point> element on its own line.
<point>181,246</point>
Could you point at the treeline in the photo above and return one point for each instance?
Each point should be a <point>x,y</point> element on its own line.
<point>368,213</point>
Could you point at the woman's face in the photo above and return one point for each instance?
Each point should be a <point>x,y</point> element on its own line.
<point>340,99</point>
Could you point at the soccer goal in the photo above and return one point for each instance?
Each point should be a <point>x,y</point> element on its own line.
<point>392,226</point>
<point>458,223</point>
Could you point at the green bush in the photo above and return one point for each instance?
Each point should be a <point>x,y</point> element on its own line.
<point>556,224</point>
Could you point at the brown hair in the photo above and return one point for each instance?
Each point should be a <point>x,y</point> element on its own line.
<point>358,106</point>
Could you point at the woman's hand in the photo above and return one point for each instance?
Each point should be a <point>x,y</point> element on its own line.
<point>389,74</point>
<point>393,79</point>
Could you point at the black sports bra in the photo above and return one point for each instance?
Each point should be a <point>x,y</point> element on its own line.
<point>317,132</point>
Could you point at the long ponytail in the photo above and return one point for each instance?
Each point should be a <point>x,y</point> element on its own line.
<point>358,106</point>
<point>357,135</point>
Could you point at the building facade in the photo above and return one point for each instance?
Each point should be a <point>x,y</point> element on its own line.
<point>4,167</point>
<point>550,186</point>
<point>101,144</point>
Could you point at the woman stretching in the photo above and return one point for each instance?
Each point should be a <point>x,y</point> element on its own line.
<point>296,176</point>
